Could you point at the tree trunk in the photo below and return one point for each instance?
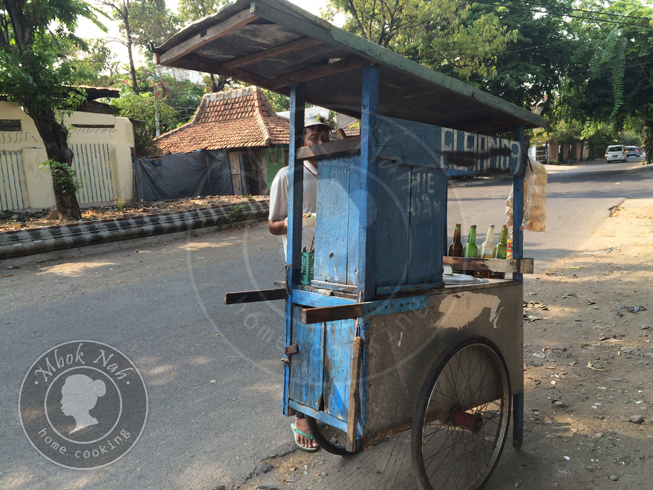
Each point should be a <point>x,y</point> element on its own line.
<point>130,45</point>
<point>219,84</point>
<point>55,138</point>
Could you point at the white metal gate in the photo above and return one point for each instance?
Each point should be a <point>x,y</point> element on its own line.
<point>93,167</point>
<point>13,190</point>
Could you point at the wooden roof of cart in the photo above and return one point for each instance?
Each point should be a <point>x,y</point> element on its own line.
<point>272,43</point>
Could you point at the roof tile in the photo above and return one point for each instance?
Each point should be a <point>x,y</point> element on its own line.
<point>241,118</point>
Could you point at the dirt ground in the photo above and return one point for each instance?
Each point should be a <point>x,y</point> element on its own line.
<point>15,220</point>
<point>588,364</point>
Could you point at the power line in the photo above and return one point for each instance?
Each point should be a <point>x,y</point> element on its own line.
<point>558,14</point>
<point>595,12</point>
<point>574,78</point>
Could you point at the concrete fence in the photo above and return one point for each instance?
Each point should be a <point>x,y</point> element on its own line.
<point>102,145</point>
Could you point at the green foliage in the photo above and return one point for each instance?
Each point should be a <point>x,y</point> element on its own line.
<point>564,132</point>
<point>143,109</point>
<point>647,143</point>
<point>279,103</point>
<point>234,212</point>
<point>121,204</point>
<point>38,73</point>
<point>192,10</point>
<point>151,21</point>
<point>436,33</point>
<point>97,65</point>
<point>619,85</point>
<point>64,175</point>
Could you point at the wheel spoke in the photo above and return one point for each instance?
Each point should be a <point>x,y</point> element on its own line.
<point>453,457</point>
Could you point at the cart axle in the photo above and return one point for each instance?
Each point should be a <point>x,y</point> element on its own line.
<point>473,422</point>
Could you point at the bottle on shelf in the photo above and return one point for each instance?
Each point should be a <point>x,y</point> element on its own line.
<point>456,247</point>
<point>501,250</point>
<point>487,248</point>
<point>470,249</point>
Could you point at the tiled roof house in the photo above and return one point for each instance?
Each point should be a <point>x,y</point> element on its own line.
<point>242,122</point>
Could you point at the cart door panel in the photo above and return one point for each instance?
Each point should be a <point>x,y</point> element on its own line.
<point>337,365</point>
<point>306,366</point>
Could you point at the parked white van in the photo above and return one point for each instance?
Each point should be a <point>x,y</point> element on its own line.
<point>616,153</point>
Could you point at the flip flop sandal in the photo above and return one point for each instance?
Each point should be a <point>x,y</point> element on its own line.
<point>296,431</point>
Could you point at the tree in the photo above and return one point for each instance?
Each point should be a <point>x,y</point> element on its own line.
<point>145,110</point>
<point>142,22</point>
<point>436,33</point>
<point>97,63</point>
<point>34,72</point>
<point>192,10</point>
<point>539,61</point>
<point>617,86</point>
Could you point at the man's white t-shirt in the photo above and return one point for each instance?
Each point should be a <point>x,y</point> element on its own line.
<point>279,200</point>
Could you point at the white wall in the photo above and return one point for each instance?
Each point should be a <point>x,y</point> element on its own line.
<point>103,159</point>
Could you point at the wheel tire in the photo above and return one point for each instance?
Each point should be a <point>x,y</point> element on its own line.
<point>447,456</point>
<point>329,438</point>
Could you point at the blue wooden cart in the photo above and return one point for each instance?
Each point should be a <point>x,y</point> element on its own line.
<point>377,343</point>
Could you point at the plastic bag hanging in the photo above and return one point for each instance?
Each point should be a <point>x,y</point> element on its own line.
<point>534,198</point>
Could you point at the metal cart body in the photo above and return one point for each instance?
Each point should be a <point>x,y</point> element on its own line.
<point>400,349</point>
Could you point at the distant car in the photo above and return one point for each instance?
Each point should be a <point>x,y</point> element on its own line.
<point>616,153</point>
<point>632,151</point>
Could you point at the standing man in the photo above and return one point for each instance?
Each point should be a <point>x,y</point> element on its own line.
<point>316,132</point>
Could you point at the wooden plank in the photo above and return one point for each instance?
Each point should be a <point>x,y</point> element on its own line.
<point>216,69</point>
<point>333,215</point>
<point>364,195</point>
<point>319,415</point>
<point>428,188</point>
<point>308,298</point>
<point>518,208</point>
<point>391,240</point>
<point>354,393</point>
<point>313,72</point>
<point>516,266</point>
<point>417,144</point>
<point>330,149</point>
<point>222,29</point>
<point>254,296</point>
<point>337,369</point>
<point>293,325</point>
<point>430,287</point>
<point>268,54</point>
<point>360,310</point>
<point>306,367</point>
<point>345,288</point>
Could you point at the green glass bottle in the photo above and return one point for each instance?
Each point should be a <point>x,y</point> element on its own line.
<point>470,249</point>
<point>501,250</point>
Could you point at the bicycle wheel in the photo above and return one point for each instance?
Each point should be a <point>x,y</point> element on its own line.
<point>329,438</point>
<point>462,417</point>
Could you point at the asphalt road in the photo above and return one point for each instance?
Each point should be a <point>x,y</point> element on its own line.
<point>213,372</point>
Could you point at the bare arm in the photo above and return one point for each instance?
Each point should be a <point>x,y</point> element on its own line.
<point>278,227</point>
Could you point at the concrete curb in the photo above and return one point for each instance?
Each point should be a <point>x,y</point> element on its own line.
<point>39,240</point>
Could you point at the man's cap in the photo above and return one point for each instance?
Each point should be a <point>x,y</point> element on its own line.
<point>316,120</point>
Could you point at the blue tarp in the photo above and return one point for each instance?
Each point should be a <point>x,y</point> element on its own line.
<point>203,173</point>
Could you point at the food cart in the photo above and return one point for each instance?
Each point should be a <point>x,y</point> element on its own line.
<point>377,342</point>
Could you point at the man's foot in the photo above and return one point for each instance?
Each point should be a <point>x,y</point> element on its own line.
<point>302,440</point>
